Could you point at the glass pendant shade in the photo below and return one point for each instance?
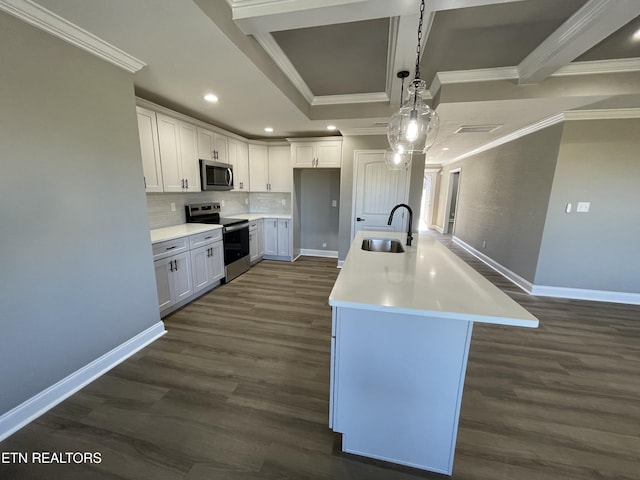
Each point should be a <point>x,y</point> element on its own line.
<point>414,128</point>
<point>397,161</point>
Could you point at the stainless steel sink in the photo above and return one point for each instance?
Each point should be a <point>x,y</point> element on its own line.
<point>386,245</point>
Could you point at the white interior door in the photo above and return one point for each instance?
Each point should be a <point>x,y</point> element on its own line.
<point>376,191</point>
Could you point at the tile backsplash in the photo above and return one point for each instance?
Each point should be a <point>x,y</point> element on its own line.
<point>161,215</point>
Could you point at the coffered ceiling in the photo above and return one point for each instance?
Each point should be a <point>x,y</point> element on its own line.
<point>299,65</point>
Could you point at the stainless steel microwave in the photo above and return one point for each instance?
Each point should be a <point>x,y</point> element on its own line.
<point>216,175</point>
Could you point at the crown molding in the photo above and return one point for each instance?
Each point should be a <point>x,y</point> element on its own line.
<point>272,48</point>
<point>603,114</point>
<point>349,132</point>
<point>570,115</point>
<point>39,17</point>
<point>600,67</point>
<point>529,129</point>
<point>350,98</point>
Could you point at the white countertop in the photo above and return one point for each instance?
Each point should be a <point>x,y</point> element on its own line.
<point>427,279</point>
<point>257,216</point>
<point>178,231</point>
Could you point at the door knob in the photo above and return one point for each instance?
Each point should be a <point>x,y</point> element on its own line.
<point>358,219</point>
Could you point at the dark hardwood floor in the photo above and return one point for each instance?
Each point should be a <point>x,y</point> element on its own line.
<point>238,390</point>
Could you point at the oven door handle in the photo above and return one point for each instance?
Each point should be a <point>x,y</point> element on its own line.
<point>234,228</point>
<point>229,177</point>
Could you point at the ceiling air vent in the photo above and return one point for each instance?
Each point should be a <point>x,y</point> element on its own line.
<point>477,128</point>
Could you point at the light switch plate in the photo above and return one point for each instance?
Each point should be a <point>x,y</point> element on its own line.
<point>568,208</point>
<point>583,207</point>
<point>334,203</point>
<point>173,206</point>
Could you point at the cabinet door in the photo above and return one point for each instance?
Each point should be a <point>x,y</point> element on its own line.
<point>149,150</point>
<point>200,268</point>
<point>205,144</point>
<point>216,261</point>
<point>239,158</point>
<point>253,245</point>
<point>169,146</point>
<point>302,154</point>
<point>280,171</point>
<point>163,282</point>
<point>284,235</point>
<point>220,147</point>
<point>258,168</point>
<point>189,157</point>
<point>329,154</point>
<point>260,235</point>
<point>271,236</point>
<point>181,276</point>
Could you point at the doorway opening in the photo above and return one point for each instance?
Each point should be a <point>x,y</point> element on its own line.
<point>428,200</point>
<point>452,202</point>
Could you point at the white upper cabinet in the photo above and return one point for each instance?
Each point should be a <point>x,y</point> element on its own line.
<point>149,150</point>
<point>259,168</point>
<point>239,158</point>
<point>178,155</point>
<point>270,168</point>
<point>212,146</point>
<point>280,172</point>
<point>321,153</point>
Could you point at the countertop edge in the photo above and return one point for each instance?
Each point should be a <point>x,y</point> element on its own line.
<point>515,322</point>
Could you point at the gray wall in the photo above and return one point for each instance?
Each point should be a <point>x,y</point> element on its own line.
<point>319,219</point>
<point>371,142</point>
<point>77,271</point>
<point>504,193</point>
<point>598,162</point>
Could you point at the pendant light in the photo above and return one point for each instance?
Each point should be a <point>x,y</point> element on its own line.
<point>414,127</point>
<point>392,159</point>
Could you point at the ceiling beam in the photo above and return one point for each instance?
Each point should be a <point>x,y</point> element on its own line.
<point>261,16</point>
<point>594,22</point>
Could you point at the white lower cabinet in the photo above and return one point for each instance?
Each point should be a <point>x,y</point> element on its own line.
<point>207,265</point>
<point>186,267</point>
<point>277,238</point>
<point>256,240</point>
<point>173,280</point>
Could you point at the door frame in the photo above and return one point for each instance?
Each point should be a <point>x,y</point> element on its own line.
<point>445,223</point>
<point>356,158</point>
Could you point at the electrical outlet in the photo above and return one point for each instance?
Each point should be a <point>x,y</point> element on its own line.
<point>284,202</point>
<point>334,203</point>
<point>583,207</point>
<point>568,208</point>
<point>324,244</point>
<point>484,244</point>
<point>221,203</point>
<point>246,201</point>
<point>173,206</point>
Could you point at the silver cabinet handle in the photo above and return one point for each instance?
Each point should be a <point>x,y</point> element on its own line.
<point>171,248</point>
<point>182,181</point>
<point>176,263</point>
<point>171,266</point>
<point>187,182</point>
<point>144,179</point>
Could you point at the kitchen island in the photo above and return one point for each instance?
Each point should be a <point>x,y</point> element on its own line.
<point>401,332</point>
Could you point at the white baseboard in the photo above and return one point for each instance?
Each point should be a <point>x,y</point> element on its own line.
<point>547,291</point>
<point>524,284</point>
<point>585,294</point>
<point>26,412</point>
<point>309,252</point>
<point>437,228</point>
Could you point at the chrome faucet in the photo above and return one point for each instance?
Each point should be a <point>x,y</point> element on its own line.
<point>409,234</point>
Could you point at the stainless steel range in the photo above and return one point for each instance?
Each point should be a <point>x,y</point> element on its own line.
<point>235,236</point>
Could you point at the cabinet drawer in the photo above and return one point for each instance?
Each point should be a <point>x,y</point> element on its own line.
<point>170,247</point>
<point>205,238</point>
<point>253,225</point>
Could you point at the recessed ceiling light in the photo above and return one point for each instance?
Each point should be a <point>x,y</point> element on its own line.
<point>636,36</point>
<point>331,127</point>
<point>444,149</point>
<point>210,97</point>
<point>268,129</point>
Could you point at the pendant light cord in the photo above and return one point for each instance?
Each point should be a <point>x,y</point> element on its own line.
<point>418,48</point>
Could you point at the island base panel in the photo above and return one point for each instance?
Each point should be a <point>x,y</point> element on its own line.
<point>398,382</point>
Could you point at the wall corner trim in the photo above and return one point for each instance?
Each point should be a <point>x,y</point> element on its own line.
<point>26,412</point>
<point>39,17</point>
